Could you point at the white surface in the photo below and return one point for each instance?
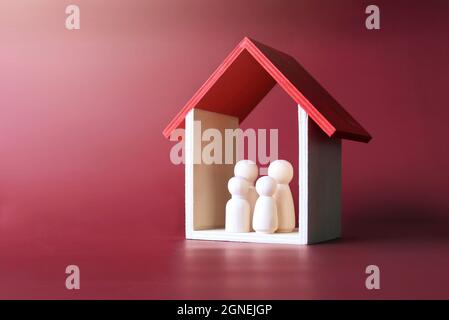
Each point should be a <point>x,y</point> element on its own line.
<point>188,148</point>
<point>303,173</point>
<point>222,235</point>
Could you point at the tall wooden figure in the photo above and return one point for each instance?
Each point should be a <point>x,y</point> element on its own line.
<point>282,172</point>
<point>248,170</point>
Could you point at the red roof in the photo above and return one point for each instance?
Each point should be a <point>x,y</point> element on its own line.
<point>249,72</point>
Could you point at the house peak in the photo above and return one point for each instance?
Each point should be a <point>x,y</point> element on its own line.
<point>249,72</point>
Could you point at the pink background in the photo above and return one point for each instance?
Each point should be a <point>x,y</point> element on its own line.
<point>85,176</point>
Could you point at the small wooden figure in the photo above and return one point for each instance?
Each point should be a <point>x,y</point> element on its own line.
<point>282,172</point>
<point>265,219</point>
<point>237,208</point>
<point>248,170</point>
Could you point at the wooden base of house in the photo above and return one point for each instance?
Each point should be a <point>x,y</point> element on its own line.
<point>222,235</point>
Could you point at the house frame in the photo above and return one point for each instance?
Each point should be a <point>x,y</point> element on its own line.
<point>227,97</point>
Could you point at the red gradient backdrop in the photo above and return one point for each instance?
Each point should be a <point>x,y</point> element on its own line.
<point>85,176</point>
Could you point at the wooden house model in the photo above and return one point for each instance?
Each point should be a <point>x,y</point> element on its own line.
<point>236,87</point>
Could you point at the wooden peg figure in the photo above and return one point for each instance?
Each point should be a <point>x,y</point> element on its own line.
<point>248,170</point>
<point>282,172</point>
<point>265,219</point>
<point>237,208</point>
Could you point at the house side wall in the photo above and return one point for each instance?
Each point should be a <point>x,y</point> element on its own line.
<point>303,175</point>
<point>206,184</point>
<point>188,157</point>
<point>324,185</point>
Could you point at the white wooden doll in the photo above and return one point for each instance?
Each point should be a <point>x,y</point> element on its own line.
<point>265,219</point>
<point>248,170</point>
<point>282,172</point>
<point>237,208</point>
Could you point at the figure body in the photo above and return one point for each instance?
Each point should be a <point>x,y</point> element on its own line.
<point>248,170</point>
<point>237,208</point>
<point>282,172</point>
<point>265,219</point>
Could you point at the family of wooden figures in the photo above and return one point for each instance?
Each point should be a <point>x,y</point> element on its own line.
<point>268,207</point>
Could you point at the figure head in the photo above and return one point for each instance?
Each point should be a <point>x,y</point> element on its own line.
<point>238,186</point>
<point>246,169</point>
<point>281,171</point>
<point>266,186</point>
